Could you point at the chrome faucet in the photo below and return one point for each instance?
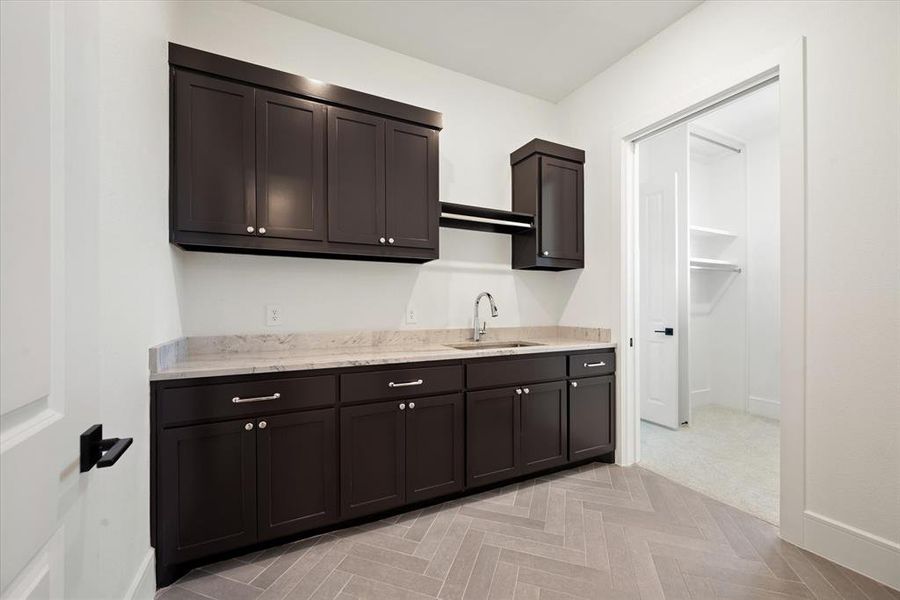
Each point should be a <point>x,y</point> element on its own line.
<point>478,332</point>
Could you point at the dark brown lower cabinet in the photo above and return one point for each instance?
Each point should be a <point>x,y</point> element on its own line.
<point>398,452</point>
<point>373,458</point>
<point>209,496</point>
<point>434,447</point>
<point>331,447</point>
<point>543,426</point>
<point>492,435</point>
<point>591,417</point>
<point>297,470</point>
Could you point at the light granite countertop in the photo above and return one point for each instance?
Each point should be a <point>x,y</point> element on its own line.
<point>193,357</point>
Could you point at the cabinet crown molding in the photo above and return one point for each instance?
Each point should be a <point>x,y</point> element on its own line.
<point>246,72</point>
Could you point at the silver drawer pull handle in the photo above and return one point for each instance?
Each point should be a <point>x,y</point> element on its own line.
<point>599,364</point>
<point>239,400</point>
<point>406,383</point>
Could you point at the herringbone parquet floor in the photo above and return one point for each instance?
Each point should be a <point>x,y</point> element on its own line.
<point>599,531</point>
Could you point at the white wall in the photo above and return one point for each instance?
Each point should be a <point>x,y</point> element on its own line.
<point>718,314</point>
<point>763,273</point>
<point>853,124</point>
<point>224,294</point>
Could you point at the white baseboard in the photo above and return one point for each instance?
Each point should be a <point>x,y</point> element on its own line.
<point>858,550</point>
<point>764,407</point>
<point>143,586</point>
<point>700,397</point>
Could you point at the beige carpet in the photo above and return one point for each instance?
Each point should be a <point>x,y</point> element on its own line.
<point>728,455</point>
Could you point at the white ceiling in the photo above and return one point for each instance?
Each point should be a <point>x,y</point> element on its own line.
<point>540,47</point>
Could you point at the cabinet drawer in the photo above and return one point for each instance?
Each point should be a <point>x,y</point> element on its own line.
<point>596,363</point>
<point>495,373</point>
<point>244,399</point>
<point>400,383</point>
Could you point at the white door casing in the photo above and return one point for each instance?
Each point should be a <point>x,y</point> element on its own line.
<point>662,192</point>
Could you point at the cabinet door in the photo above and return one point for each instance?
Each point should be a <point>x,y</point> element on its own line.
<point>591,417</point>
<point>290,174</point>
<point>412,207</point>
<point>434,447</point>
<point>492,436</point>
<point>207,489</point>
<point>214,153</point>
<point>561,209</point>
<point>544,425</point>
<point>297,471</point>
<point>373,458</point>
<point>355,177</point>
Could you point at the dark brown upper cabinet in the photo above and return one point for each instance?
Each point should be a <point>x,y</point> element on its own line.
<point>290,167</point>
<point>215,175</point>
<point>355,177</point>
<point>269,162</point>
<point>412,208</point>
<point>548,182</point>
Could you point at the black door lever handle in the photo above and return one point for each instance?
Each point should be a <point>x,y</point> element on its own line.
<point>101,452</point>
<point>114,453</point>
<point>667,331</point>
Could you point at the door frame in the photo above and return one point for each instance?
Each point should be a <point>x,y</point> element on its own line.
<point>787,66</point>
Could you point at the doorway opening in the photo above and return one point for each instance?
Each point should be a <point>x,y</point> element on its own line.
<point>707,301</point>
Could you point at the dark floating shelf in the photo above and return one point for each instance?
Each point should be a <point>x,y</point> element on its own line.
<point>476,218</point>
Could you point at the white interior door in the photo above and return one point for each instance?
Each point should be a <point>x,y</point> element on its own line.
<point>51,515</point>
<point>662,181</point>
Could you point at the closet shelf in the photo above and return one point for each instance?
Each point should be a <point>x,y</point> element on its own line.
<point>712,232</point>
<point>712,264</point>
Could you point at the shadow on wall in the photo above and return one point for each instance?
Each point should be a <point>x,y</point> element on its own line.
<point>225,294</point>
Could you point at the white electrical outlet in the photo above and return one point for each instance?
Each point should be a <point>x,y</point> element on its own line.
<point>412,316</point>
<point>273,315</point>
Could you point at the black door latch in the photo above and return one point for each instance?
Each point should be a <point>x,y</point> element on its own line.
<point>97,451</point>
<point>667,331</point>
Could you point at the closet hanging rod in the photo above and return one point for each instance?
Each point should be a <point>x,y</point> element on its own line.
<point>716,142</point>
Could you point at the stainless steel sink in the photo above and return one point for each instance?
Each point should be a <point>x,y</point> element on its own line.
<point>489,345</point>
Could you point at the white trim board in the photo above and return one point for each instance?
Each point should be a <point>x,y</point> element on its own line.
<point>848,546</point>
<point>764,407</point>
<point>143,585</point>
<point>788,65</point>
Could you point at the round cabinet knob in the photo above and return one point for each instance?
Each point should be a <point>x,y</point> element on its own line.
<point>248,426</point>
<point>262,231</point>
<point>381,240</point>
<point>546,253</point>
<point>391,241</point>
<point>574,384</point>
<point>262,424</point>
<point>402,407</point>
<point>527,391</point>
<point>412,405</point>
<point>250,229</point>
<point>519,391</point>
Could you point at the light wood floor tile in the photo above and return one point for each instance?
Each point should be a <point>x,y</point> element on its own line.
<point>597,531</point>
